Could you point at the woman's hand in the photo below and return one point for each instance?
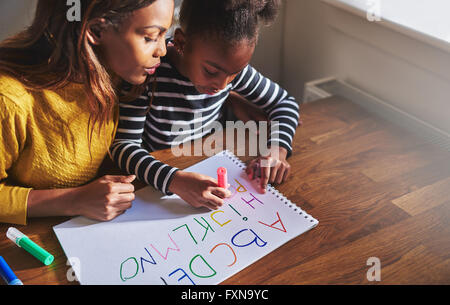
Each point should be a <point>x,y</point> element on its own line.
<point>198,190</point>
<point>105,198</point>
<point>272,168</point>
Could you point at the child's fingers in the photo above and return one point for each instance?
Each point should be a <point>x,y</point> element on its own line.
<point>208,205</point>
<point>280,174</point>
<point>287,172</point>
<point>214,201</point>
<point>283,173</point>
<point>274,171</point>
<point>250,170</point>
<point>265,175</point>
<point>221,192</point>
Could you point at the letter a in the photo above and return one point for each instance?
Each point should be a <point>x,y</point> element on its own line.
<point>273,225</point>
<point>374,272</point>
<point>74,12</point>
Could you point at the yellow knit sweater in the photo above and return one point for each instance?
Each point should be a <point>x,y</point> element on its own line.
<point>44,143</point>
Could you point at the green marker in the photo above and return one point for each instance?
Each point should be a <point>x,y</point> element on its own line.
<point>24,242</point>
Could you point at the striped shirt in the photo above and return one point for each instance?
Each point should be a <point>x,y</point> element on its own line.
<point>176,102</point>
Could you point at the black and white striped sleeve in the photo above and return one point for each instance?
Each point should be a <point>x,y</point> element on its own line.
<point>282,109</point>
<point>127,152</point>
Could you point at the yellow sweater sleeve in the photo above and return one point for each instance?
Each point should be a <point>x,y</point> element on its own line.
<point>13,199</point>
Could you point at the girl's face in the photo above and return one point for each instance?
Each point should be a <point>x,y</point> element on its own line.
<point>133,52</point>
<point>211,64</point>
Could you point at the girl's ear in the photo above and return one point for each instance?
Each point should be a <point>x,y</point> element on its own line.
<point>95,30</point>
<point>179,40</point>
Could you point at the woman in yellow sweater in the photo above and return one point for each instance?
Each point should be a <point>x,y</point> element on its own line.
<point>58,104</point>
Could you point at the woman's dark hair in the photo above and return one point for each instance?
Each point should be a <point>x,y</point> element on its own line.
<point>54,51</point>
<point>228,20</point>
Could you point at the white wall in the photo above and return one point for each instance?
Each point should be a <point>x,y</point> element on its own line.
<point>268,54</point>
<point>15,15</point>
<point>311,39</point>
<point>321,40</point>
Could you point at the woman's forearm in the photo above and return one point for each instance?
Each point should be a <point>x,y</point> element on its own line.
<point>54,202</point>
<point>103,199</point>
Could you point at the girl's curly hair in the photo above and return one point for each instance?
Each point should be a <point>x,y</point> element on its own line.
<point>228,20</point>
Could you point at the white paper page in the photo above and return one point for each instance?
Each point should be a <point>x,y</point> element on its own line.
<point>163,240</point>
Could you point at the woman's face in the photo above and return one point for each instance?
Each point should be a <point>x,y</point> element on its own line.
<point>133,52</point>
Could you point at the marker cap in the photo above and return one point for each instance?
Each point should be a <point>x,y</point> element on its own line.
<point>14,235</point>
<point>222,177</point>
<point>31,247</point>
<point>15,282</point>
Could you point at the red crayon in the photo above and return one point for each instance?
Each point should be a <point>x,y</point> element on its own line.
<point>222,177</point>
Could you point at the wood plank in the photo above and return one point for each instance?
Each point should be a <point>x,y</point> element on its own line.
<point>424,198</point>
<point>349,170</point>
<point>423,268</point>
<point>393,165</point>
<point>347,264</point>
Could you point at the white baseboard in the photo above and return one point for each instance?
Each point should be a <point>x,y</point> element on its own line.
<point>333,86</point>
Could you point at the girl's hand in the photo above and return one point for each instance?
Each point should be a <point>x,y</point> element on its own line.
<point>270,169</point>
<point>104,198</point>
<point>198,190</point>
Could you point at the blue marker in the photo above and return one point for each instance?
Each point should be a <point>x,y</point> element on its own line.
<point>7,274</point>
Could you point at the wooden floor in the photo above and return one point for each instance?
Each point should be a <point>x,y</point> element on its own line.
<point>377,190</point>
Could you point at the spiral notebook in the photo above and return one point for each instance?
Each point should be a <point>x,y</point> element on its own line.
<point>163,240</point>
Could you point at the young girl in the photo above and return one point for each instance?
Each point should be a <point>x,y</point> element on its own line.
<point>208,59</point>
<point>58,104</point>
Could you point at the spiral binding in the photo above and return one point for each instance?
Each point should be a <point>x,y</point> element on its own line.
<point>271,189</point>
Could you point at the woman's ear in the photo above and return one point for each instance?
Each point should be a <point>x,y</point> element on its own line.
<point>95,30</point>
<point>179,40</point>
